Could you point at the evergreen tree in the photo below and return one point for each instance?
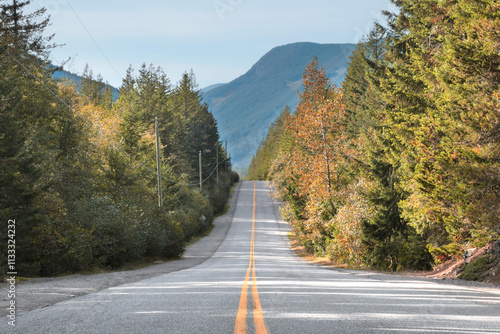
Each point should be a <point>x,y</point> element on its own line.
<point>441,93</point>
<point>192,129</point>
<point>142,99</point>
<point>95,90</point>
<point>27,117</point>
<point>269,148</point>
<point>385,233</point>
<point>22,34</point>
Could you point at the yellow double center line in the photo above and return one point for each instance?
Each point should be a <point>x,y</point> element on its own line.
<point>258,317</point>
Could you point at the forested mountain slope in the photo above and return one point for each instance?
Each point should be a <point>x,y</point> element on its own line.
<point>245,107</point>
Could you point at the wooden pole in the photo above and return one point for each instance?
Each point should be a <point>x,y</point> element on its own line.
<point>158,163</point>
<point>201,177</point>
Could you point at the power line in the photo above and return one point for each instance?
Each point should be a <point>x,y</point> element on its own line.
<point>213,171</point>
<point>92,38</point>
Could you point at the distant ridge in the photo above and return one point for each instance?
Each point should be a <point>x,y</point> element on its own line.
<point>209,88</point>
<point>245,107</point>
<point>63,74</point>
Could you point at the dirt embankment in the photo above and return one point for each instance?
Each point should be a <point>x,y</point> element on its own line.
<point>480,265</point>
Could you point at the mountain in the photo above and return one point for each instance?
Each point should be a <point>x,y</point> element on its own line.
<point>246,107</point>
<point>63,74</point>
<point>209,88</point>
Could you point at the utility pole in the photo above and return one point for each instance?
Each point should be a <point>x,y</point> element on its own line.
<point>201,177</point>
<point>158,162</point>
<point>225,162</point>
<point>217,153</point>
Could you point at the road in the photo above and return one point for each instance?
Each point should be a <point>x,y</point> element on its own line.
<point>255,284</point>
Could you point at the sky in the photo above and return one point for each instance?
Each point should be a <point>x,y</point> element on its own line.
<point>218,39</point>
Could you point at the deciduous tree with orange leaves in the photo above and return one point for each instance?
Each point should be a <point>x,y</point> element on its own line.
<point>318,158</point>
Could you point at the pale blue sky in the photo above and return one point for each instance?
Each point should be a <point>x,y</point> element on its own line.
<point>219,39</point>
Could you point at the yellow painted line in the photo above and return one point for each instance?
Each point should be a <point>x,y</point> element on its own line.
<point>240,327</point>
<point>258,316</point>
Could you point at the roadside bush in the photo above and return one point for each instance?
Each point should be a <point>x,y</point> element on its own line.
<point>414,253</point>
<point>446,252</point>
<point>477,270</point>
<point>234,177</point>
<point>219,196</point>
<point>173,246</point>
<point>135,215</point>
<point>112,235</point>
<point>62,247</point>
<point>188,225</point>
<point>166,237</point>
<point>197,210</point>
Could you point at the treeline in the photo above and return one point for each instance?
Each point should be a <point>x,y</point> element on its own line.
<point>400,167</point>
<point>78,166</point>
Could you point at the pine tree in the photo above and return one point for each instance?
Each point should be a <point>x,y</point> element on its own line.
<point>95,90</point>
<point>190,128</point>
<point>385,233</point>
<point>22,34</point>
<point>268,150</point>
<point>27,118</point>
<point>442,93</point>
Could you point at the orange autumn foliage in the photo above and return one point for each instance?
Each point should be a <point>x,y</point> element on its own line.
<point>319,136</point>
<point>316,168</point>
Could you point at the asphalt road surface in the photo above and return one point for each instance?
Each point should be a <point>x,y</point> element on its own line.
<point>254,284</point>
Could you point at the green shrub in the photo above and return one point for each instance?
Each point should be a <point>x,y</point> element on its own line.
<point>218,197</point>
<point>476,270</point>
<point>414,253</point>
<point>169,236</point>
<point>62,247</point>
<point>174,241</point>
<point>235,177</point>
<point>444,253</point>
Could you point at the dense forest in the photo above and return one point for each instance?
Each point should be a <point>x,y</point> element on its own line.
<point>78,166</point>
<point>399,168</point>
